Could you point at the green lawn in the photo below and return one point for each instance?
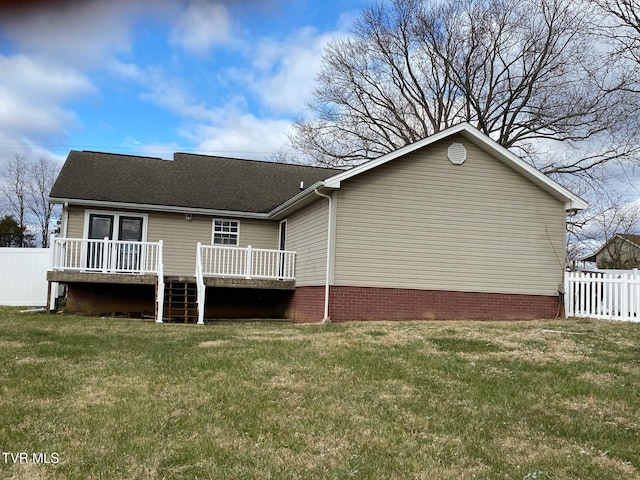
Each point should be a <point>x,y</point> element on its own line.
<point>111,399</point>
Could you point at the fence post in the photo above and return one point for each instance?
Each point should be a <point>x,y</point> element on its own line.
<point>624,297</point>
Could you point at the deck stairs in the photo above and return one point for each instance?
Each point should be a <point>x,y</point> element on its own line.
<point>181,301</point>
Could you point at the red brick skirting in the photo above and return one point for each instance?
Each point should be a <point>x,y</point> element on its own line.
<point>306,304</point>
<point>365,303</point>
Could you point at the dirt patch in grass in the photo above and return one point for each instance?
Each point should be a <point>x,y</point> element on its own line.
<point>599,379</point>
<point>94,395</point>
<point>213,343</point>
<point>31,471</point>
<point>532,345</point>
<point>29,360</point>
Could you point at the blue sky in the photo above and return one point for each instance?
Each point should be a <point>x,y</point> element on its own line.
<point>150,77</point>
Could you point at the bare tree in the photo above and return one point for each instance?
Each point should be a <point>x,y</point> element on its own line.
<point>24,191</point>
<point>623,27</point>
<point>522,72</point>
<point>13,189</point>
<point>611,214</point>
<point>42,175</point>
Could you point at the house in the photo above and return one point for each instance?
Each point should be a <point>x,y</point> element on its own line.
<point>620,252</point>
<point>452,226</point>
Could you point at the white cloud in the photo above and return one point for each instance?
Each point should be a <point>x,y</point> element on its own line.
<point>228,129</point>
<point>31,99</point>
<point>239,134</point>
<point>160,89</point>
<point>202,25</point>
<point>285,70</point>
<point>39,81</point>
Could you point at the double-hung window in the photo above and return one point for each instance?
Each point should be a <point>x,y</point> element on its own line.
<point>226,232</point>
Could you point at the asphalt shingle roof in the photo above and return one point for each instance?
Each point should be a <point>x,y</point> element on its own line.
<point>193,181</point>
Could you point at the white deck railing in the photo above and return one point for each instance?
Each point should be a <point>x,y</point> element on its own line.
<point>249,263</point>
<point>612,296</point>
<point>234,262</point>
<point>106,256</point>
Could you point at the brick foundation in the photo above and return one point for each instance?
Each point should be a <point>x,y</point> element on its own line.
<point>364,303</point>
<point>306,304</point>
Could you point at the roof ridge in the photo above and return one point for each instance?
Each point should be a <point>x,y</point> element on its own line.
<point>257,161</point>
<point>122,154</point>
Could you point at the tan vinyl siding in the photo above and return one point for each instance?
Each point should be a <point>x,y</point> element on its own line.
<point>75,222</point>
<point>422,222</point>
<point>180,237</point>
<point>307,235</point>
<point>259,233</point>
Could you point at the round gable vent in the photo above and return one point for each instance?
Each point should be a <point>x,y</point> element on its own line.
<point>457,154</point>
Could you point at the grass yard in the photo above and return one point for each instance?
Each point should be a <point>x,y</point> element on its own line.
<point>86,398</point>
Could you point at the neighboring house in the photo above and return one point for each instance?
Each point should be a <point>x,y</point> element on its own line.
<point>453,226</point>
<point>620,252</point>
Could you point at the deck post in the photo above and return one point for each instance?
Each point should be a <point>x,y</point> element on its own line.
<point>249,259</point>
<point>160,284</point>
<point>200,284</point>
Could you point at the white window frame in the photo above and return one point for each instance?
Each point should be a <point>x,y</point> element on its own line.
<point>213,232</point>
<point>116,221</point>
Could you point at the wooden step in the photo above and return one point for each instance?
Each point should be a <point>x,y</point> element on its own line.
<point>181,302</point>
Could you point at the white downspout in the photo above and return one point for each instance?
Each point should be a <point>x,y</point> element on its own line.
<point>328,268</point>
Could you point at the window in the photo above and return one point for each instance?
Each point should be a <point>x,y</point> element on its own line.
<point>115,225</point>
<point>125,227</point>
<point>226,232</point>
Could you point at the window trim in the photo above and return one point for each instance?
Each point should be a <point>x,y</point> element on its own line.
<point>213,232</point>
<point>116,221</point>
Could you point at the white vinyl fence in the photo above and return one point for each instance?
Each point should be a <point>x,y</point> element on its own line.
<point>611,295</point>
<point>23,276</point>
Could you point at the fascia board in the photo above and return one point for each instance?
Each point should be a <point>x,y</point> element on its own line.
<point>160,208</point>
